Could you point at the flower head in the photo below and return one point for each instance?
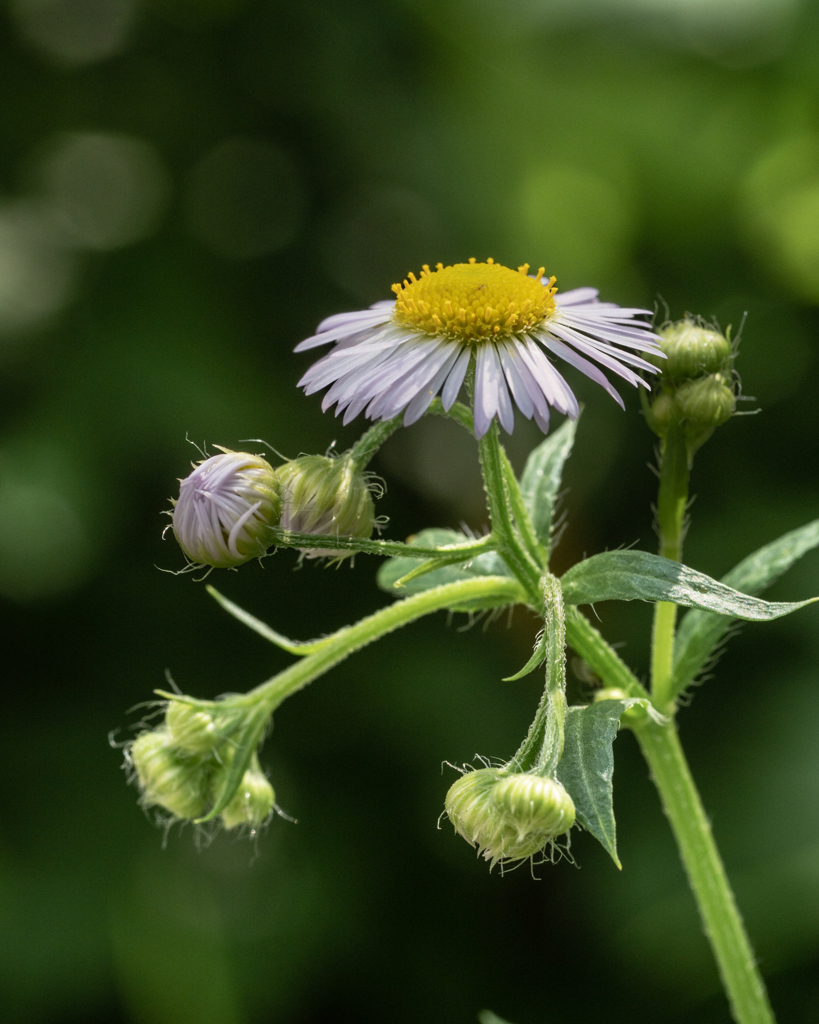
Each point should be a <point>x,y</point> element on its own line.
<point>227,510</point>
<point>398,355</point>
<point>507,815</point>
<point>326,497</point>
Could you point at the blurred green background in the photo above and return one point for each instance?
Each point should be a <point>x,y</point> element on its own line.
<point>188,187</point>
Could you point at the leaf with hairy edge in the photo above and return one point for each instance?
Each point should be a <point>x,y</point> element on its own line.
<point>587,767</point>
<point>701,631</point>
<point>639,576</point>
<point>244,747</point>
<point>488,564</point>
<point>299,647</point>
<point>540,483</point>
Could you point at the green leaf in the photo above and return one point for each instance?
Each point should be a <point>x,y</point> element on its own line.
<point>540,483</point>
<point>244,746</point>
<point>538,657</point>
<point>299,647</point>
<point>488,564</point>
<point>587,767</point>
<point>639,576</point>
<point>701,631</point>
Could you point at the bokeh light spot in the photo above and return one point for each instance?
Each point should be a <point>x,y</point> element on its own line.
<point>36,274</point>
<point>245,199</point>
<point>377,237</point>
<point>107,190</point>
<point>577,223</point>
<point>44,549</point>
<point>75,32</point>
<point>780,211</point>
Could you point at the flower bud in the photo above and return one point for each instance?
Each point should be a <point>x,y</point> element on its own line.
<point>168,777</point>
<point>507,815</point>
<point>192,729</point>
<point>253,801</point>
<point>326,497</point>
<point>692,350</point>
<point>227,510</point>
<point>659,412</point>
<point>703,405</point>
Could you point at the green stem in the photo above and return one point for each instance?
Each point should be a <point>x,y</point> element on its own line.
<point>601,658</point>
<point>368,444</point>
<point>497,495</point>
<point>385,548</point>
<point>484,588</point>
<point>542,749</point>
<point>521,514</point>
<point>671,503</point>
<point>459,412</point>
<point>678,793</point>
<point>706,874</point>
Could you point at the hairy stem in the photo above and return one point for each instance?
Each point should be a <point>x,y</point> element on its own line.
<point>543,747</point>
<point>489,589</point>
<point>715,900</point>
<point>368,444</point>
<point>671,503</point>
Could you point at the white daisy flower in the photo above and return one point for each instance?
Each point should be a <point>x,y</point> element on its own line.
<point>398,355</point>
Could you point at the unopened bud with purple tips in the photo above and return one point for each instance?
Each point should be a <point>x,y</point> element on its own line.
<point>228,510</point>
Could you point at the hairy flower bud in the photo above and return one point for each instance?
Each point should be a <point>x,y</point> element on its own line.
<point>227,510</point>
<point>326,497</point>
<point>692,350</point>
<point>507,815</point>
<point>168,777</point>
<point>253,801</point>
<point>192,729</point>
<point>703,405</point>
<point>659,412</point>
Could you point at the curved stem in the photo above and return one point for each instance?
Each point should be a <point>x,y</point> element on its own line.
<point>495,591</point>
<point>385,548</point>
<point>601,658</point>
<point>706,874</point>
<point>368,444</point>
<point>542,749</point>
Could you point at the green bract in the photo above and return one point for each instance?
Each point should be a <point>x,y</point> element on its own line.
<point>327,497</point>
<point>691,350</point>
<point>508,816</point>
<point>167,777</point>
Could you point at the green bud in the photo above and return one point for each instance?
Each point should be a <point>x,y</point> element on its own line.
<point>192,729</point>
<point>169,778</point>
<point>227,510</point>
<point>659,412</point>
<point>692,350</point>
<point>703,405</point>
<point>326,497</point>
<point>253,801</point>
<point>507,815</point>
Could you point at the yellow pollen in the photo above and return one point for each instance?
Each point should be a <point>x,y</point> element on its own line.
<point>472,301</point>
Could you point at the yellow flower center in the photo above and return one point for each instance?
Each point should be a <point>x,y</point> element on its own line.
<point>469,302</point>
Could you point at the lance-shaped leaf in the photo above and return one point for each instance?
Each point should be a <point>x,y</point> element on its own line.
<point>244,746</point>
<point>701,631</point>
<point>640,576</point>
<point>488,564</point>
<point>540,483</point>
<point>587,767</point>
<point>299,647</point>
